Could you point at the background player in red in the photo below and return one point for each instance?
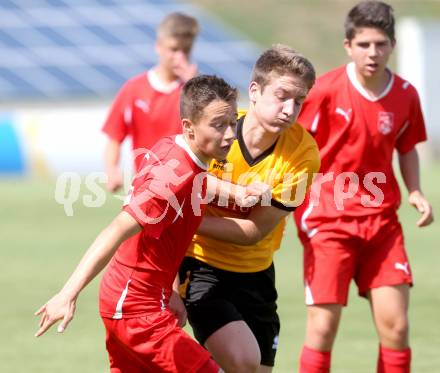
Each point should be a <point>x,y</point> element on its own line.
<point>359,113</point>
<point>146,242</point>
<point>147,106</point>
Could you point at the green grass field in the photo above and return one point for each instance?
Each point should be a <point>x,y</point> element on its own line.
<point>40,247</point>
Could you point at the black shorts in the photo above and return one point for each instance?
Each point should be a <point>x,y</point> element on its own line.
<point>214,298</point>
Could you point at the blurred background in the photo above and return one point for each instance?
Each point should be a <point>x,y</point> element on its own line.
<point>61,64</point>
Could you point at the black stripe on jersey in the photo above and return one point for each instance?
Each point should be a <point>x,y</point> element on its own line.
<point>279,205</point>
<point>250,161</point>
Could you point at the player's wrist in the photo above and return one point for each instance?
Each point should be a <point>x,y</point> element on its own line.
<point>68,295</point>
<point>113,169</point>
<point>415,193</point>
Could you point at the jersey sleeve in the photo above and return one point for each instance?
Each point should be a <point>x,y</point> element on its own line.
<point>149,210</point>
<point>312,109</point>
<point>413,131</point>
<point>291,191</point>
<point>154,202</point>
<point>119,117</point>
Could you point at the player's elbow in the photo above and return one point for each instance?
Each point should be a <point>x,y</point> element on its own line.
<point>252,236</point>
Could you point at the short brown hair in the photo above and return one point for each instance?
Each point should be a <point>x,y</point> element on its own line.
<point>179,26</point>
<point>369,13</point>
<point>283,60</point>
<point>200,91</point>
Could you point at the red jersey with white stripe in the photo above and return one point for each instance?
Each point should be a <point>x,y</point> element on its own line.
<point>165,201</point>
<point>145,109</point>
<point>356,136</point>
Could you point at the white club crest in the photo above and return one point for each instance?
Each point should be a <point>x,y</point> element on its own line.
<point>385,122</point>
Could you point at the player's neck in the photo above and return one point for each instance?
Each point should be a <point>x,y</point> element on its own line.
<point>193,147</point>
<point>375,85</point>
<point>256,138</point>
<point>165,76</point>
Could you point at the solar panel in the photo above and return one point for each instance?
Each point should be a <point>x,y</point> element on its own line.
<point>70,48</point>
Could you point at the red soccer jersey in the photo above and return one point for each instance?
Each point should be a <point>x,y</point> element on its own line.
<point>146,110</point>
<point>165,201</point>
<point>356,136</point>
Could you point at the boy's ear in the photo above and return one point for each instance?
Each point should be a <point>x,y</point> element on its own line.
<point>187,127</point>
<point>157,46</point>
<point>347,46</point>
<point>254,88</point>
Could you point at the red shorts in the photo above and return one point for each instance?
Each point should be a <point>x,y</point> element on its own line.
<point>152,343</point>
<point>369,250</point>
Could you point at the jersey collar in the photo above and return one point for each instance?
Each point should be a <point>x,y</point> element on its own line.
<point>244,150</point>
<point>180,140</point>
<point>160,86</point>
<point>358,86</point>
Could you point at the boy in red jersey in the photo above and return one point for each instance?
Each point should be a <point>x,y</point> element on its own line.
<point>147,106</point>
<point>147,241</point>
<point>360,113</point>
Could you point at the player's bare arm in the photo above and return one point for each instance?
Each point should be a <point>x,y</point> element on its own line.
<point>176,305</point>
<point>243,195</point>
<point>260,222</point>
<point>112,153</point>
<point>409,167</point>
<point>62,305</point>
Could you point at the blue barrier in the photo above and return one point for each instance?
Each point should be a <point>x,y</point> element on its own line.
<point>11,155</point>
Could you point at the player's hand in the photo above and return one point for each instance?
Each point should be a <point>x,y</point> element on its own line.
<point>177,307</point>
<point>182,68</point>
<point>418,200</point>
<point>261,190</point>
<point>114,180</point>
<point>254,193</point>
<point>57,308</point>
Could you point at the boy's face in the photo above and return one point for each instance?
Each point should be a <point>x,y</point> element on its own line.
<point>370,50</point>
<point>214,132</point>
<point>172,52</point>
<point>277,106</point>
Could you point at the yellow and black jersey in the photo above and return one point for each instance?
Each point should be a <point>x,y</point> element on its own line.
<point>288,166</point>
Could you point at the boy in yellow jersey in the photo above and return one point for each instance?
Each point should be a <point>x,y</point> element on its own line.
<point>228,278</point>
